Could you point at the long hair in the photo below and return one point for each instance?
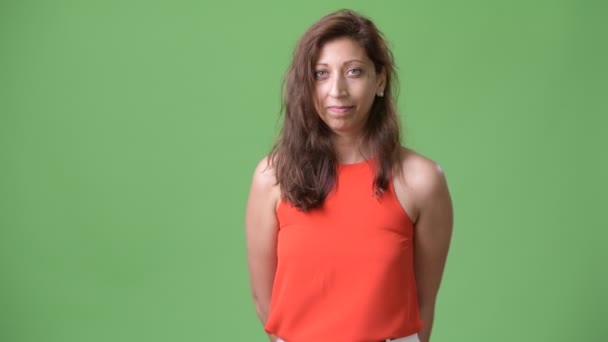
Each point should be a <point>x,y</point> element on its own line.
<point>303,157</point>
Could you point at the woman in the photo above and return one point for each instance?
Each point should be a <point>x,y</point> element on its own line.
<point>347,230</point>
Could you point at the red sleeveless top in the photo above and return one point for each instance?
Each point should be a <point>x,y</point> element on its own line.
<point>345,271</point>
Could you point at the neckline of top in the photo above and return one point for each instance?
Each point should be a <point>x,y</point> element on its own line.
<point>355,164</point>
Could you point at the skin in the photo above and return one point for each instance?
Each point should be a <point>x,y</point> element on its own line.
<point>421,188</point>
<point>345,76</point>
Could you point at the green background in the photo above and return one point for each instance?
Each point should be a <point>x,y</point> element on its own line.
<point>129,131</point>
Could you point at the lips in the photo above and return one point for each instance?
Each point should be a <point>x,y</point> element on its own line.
<point>340,109</point>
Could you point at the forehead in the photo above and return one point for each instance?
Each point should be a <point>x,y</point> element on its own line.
<point>340,51</point>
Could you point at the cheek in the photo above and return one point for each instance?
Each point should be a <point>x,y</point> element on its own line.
<point>367,94</point>
<point>320,90</point>
<point>319,95</point>
<point>317,99</point>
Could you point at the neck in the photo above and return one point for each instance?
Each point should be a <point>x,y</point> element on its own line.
<point>350,149</point>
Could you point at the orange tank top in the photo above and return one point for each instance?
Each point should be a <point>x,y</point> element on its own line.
<point>345,271</point>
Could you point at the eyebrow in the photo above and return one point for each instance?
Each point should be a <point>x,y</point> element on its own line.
<point>347,62</point>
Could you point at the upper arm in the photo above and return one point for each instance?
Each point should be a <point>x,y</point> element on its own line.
<point>261,228</point>
<point>433,229</point>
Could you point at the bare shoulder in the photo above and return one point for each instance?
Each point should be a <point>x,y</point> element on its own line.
<point>264,174</point>
<point>264,183</point>
<point>420,173</point>
<point>419,183</point>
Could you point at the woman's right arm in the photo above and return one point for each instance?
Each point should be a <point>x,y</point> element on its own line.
<point>261,229</point>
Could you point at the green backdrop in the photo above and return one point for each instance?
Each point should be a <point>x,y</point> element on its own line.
<point>129,131</point>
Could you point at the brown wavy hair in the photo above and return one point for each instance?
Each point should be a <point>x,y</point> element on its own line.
<point>303,157</point>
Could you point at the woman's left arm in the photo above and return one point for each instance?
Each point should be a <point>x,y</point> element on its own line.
<point>433,232</point>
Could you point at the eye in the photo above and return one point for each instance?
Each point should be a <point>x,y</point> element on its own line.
<point>355,72</point>
<point>320,73</point>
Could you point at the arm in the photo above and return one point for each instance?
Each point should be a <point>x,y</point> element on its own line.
<point>433,231</point>
<point>261,229</point>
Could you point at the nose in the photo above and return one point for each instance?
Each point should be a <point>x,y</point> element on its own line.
<point>338,87</point>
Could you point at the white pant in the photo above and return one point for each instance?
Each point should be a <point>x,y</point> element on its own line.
<point>411,338</point>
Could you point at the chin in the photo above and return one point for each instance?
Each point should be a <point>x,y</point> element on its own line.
<point>343,129</point>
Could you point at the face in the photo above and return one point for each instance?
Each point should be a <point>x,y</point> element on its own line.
<point>346,84</point>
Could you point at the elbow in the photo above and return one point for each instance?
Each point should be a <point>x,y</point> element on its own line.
<point>426,301</point>
<point>261,309</point>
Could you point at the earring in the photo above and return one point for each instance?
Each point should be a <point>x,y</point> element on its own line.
<point>381,94</point>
